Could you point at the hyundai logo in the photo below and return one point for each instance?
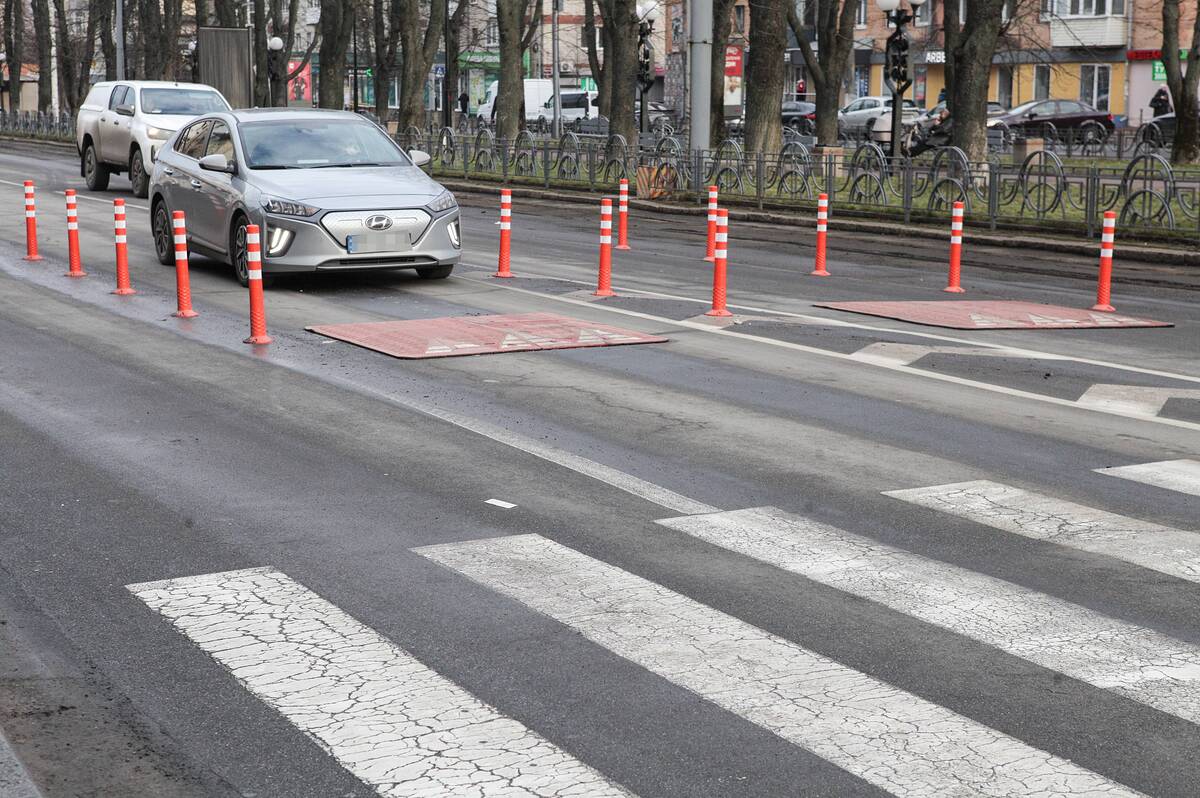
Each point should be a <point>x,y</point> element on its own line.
<point>378,222</point>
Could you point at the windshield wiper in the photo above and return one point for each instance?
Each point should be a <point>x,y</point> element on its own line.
<point>347,165</point>
<point>276,166</point>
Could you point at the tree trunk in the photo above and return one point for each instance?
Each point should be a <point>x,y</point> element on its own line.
<point>108,45</point>
<point>417,57</point>
<point>261,96</point>
<point>970,45</point>
<point>599,71</point>
<point>764,76</point>
<point>41,29</point>
<point>14,38</point>
<point>509,21</point>
<point>1182,85</point>
<point>336,18</point>
<point>834,29</point>
<point>226,11</point>
<point>454,39</point>
<point>722,25</point>
<point>621,23</point>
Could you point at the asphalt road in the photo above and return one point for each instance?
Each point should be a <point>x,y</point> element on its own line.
<point>731,565</point>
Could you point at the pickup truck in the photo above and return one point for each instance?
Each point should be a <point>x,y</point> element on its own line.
<point>121,125</point>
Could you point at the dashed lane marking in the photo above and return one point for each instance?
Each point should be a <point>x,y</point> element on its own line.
<point>394,723</point>
<point>1178,475</point>
<point>1137,663</point>
<point>1133,399</point>
<point>500,503</point>
<point>14,779</point>
<point>1034,515</point>
<point>896,354</point>
<point>879,733</point>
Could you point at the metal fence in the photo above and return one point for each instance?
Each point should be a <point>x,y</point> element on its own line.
<point>37,125</point>
<point>1041,190</point>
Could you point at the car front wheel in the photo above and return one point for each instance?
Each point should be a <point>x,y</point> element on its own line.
<point>138,176</point>
<point>237,250</point>
<point>95,174</point>
<point>164,235</point>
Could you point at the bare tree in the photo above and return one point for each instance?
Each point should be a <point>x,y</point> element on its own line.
<point>75,52</point>
<point>385,17</point>
<point>226,11</point>
<point>14,39</point>
<point>454,47</point>
<point>1182,84</point>
<point>599,68</point>
<point>833,24</point>
<point>286,30</point>
<point>509,18</point>
<point>108,46</point>
<point>722,27</point>
<point>337,16</point>
<point>621,56</point>
<point>41,33</point>
<point>418,46</point>
<point>261,52</point>
<point>970,45</point>
<point>764,75</point>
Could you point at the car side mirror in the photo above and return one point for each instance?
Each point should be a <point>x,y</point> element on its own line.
<point>217,163</point>
<point>125,109</point>
<point>419,157</point>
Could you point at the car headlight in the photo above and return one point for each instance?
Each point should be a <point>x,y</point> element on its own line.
<point>444,202</point>
<point>287,207</point>
<point>158,132</point>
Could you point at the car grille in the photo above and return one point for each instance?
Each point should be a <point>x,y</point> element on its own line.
<point>340,224</point>
<point>376,263</point>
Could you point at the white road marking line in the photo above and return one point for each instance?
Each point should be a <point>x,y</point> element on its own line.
<point>886,736</point>
<point>1178,475</point>
<point>1134,398</point>
<point>812,350</point>
<point>14,779</point>
<point>500,503</point>
<point>890,353</point>
<point>392,722</point>
<point>826,321</point>
<point>1137,663</point>
<point>1033,515</point>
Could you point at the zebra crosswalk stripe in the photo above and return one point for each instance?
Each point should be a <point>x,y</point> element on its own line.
<point>1178,475</point>
<point>1137,663</point>
<point>391,721</point>
<point>884,735</point>
<point>1034,515</point>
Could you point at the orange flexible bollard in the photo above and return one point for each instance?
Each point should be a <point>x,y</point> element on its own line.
<point>258,310</point>
<point>503,269</point>
<point>720,255</point>
<point>123,286</point>
<point>822,224</point>
<point>623,216</point>
<point>956,226</point>
<point>31,243</point>
<point>712,223</point>
<point>183,285</point>
<point>604,281</point>
<point>75,266</point>
<point>1104,285</point>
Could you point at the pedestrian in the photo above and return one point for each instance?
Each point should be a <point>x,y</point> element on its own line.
<point>463,102</point>
<point>942,95</point>
<point>1161,102</point>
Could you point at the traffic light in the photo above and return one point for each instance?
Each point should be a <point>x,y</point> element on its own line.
<point>897,58</point>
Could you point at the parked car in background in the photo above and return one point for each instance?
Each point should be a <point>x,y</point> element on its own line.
<point>1056,118</point>
<point>800,116</point>
<point>871,117</point>
<point>576,104</point>
<point>329,190</point>
<point>537,92</point>
<point>122,124</point>
<point>993,109</point>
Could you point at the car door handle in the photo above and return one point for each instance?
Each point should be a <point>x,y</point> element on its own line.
<point>196,183</point>
<point>168,170</point>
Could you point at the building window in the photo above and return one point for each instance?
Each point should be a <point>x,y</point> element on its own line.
<point>862,80</point>
<point>860,17</point>
<point>1087,8</point>
<point>492,35</point>
<point>924,13</point>
<point>1008,10</point>
<point>1004,86</point>
<point>1041,82</point>
<point>739,19</point>
<point>1093,85</point>
<point>583,39</point>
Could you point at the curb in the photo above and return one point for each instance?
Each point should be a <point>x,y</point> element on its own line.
<point>63,145</point>
<point>1016,239</point>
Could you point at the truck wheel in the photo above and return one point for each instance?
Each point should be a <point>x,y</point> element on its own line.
<point>95,174</point>
<point>435,272</point>
<point>138,176</point>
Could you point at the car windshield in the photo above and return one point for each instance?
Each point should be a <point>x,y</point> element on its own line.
<point>1020,109</point>
<point>904,104</point>
<point>318,143</point>
<point>182,101</point>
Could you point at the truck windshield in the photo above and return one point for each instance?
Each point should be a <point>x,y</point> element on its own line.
<point>316,143</point>
<point>182,101</point>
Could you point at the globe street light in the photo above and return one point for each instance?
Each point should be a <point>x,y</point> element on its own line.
<point>274,48</point>
<point>895,72</point>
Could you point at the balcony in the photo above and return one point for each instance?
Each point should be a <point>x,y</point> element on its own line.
<point>1089,31</point>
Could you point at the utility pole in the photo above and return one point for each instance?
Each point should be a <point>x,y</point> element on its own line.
<point>119,35</point>
<point>555,77</point>
<point>700,26</point>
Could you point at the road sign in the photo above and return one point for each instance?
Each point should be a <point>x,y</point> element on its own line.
<point>439,70</point>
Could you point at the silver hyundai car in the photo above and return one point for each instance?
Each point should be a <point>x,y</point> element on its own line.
<point>329,190</point>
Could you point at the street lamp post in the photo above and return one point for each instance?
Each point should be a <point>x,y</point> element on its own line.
<point>274,53</point>
<point>895,72</point>
<point>448,96</point>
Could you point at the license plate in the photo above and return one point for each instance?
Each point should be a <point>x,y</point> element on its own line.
<point>378,242</point>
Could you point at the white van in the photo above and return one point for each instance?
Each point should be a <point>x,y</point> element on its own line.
<point>576,104</point>
<point>537,92</point>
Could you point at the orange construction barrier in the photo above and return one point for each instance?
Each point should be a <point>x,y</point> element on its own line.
<point>956,226</point>
<point>183,285</point>
<point>75,266</point>
<point>712,223</point>
<point>623,216</point>
<point>720,254</point>
<point>503,269</point>
<point>822,224</point>
<point>31,248</point>
<point>604,281</point>
<point>1104,285</point>
<point>123,286</point>
<point>258,310</point>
